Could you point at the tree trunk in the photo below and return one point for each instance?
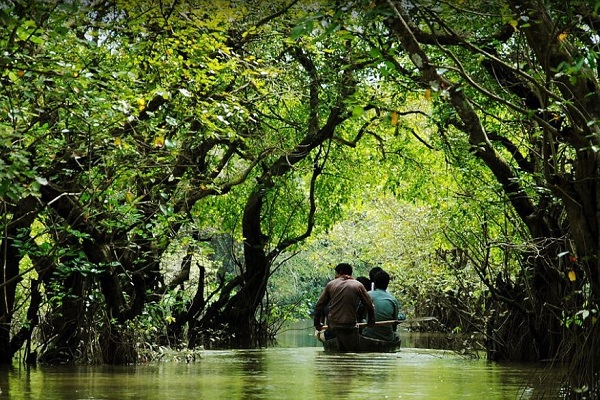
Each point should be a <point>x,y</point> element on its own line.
<point>8,285</point>
<point>62,331</point>
<point>241,311</point>
<point>10,257</point>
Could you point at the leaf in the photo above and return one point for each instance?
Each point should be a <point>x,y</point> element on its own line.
<point>298,31</point>
<point>185,92</point>
<point>159,141</point>
<point>428,94</point>
<point>222,119</point>
<point>394,118</point>
<point>374,53</point>
<point>562,36</point>
<point>572,276</point>
<point>141,104</point>
<point>357,111</point>
<point>163,209</point>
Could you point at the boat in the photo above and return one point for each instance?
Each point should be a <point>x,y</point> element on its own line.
<point>366,345</point>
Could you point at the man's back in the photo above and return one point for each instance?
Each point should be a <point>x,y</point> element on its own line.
<point>342,296</point>
<point>345,297</point>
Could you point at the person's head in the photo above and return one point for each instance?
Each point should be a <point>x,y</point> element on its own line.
<point>365,281</point>
<point>382,280</point>
<point>343,269</point>
<point>374,272</point>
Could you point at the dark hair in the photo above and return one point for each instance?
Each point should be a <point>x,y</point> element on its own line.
<point>343,269</point>
<point>365,281</point>
<point>374,272</point>
<point>382,279</point>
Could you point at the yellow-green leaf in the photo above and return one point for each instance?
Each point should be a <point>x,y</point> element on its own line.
<point>428,94</point>
<point>357,111</point>
<point>562,36</point>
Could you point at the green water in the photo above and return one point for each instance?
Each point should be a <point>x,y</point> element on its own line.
<point>287,372</point>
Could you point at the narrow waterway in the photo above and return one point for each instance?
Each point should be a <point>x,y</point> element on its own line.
<point>297,369</point>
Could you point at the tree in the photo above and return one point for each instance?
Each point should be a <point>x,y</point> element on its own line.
<point>143,123</point>
<point>281,209</point>
<point>117,155</point>
<point>133,116</point>
<point>520,83</point>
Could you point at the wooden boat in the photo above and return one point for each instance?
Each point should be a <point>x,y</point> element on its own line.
<point>366,344</point>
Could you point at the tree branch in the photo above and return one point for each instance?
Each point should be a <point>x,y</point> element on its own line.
<point>477,136</point>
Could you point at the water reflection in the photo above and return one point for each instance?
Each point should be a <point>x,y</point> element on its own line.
<point>338,372</point>
<point>283,373</point>
<point>298,369</point>
<point>301,334</point>
<point>252,371</point>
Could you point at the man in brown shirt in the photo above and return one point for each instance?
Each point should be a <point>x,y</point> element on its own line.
<point>343,295</point>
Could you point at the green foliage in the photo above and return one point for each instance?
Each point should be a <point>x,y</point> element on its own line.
<point>139,126</point>
<point>403,239</point>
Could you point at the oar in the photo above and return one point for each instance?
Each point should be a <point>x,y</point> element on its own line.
<point>378,323</point>
<point>393,322</point>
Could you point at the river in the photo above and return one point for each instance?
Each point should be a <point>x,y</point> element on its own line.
<point>297,368</point>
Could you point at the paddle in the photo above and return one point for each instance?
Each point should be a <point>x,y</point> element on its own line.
<point>393,322</point>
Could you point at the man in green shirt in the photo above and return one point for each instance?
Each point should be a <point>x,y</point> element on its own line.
<point>386,308</point>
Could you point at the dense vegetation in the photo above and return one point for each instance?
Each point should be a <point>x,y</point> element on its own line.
<point>163,164</point>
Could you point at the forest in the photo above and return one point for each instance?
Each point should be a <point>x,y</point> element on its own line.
<point>186,173</point>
